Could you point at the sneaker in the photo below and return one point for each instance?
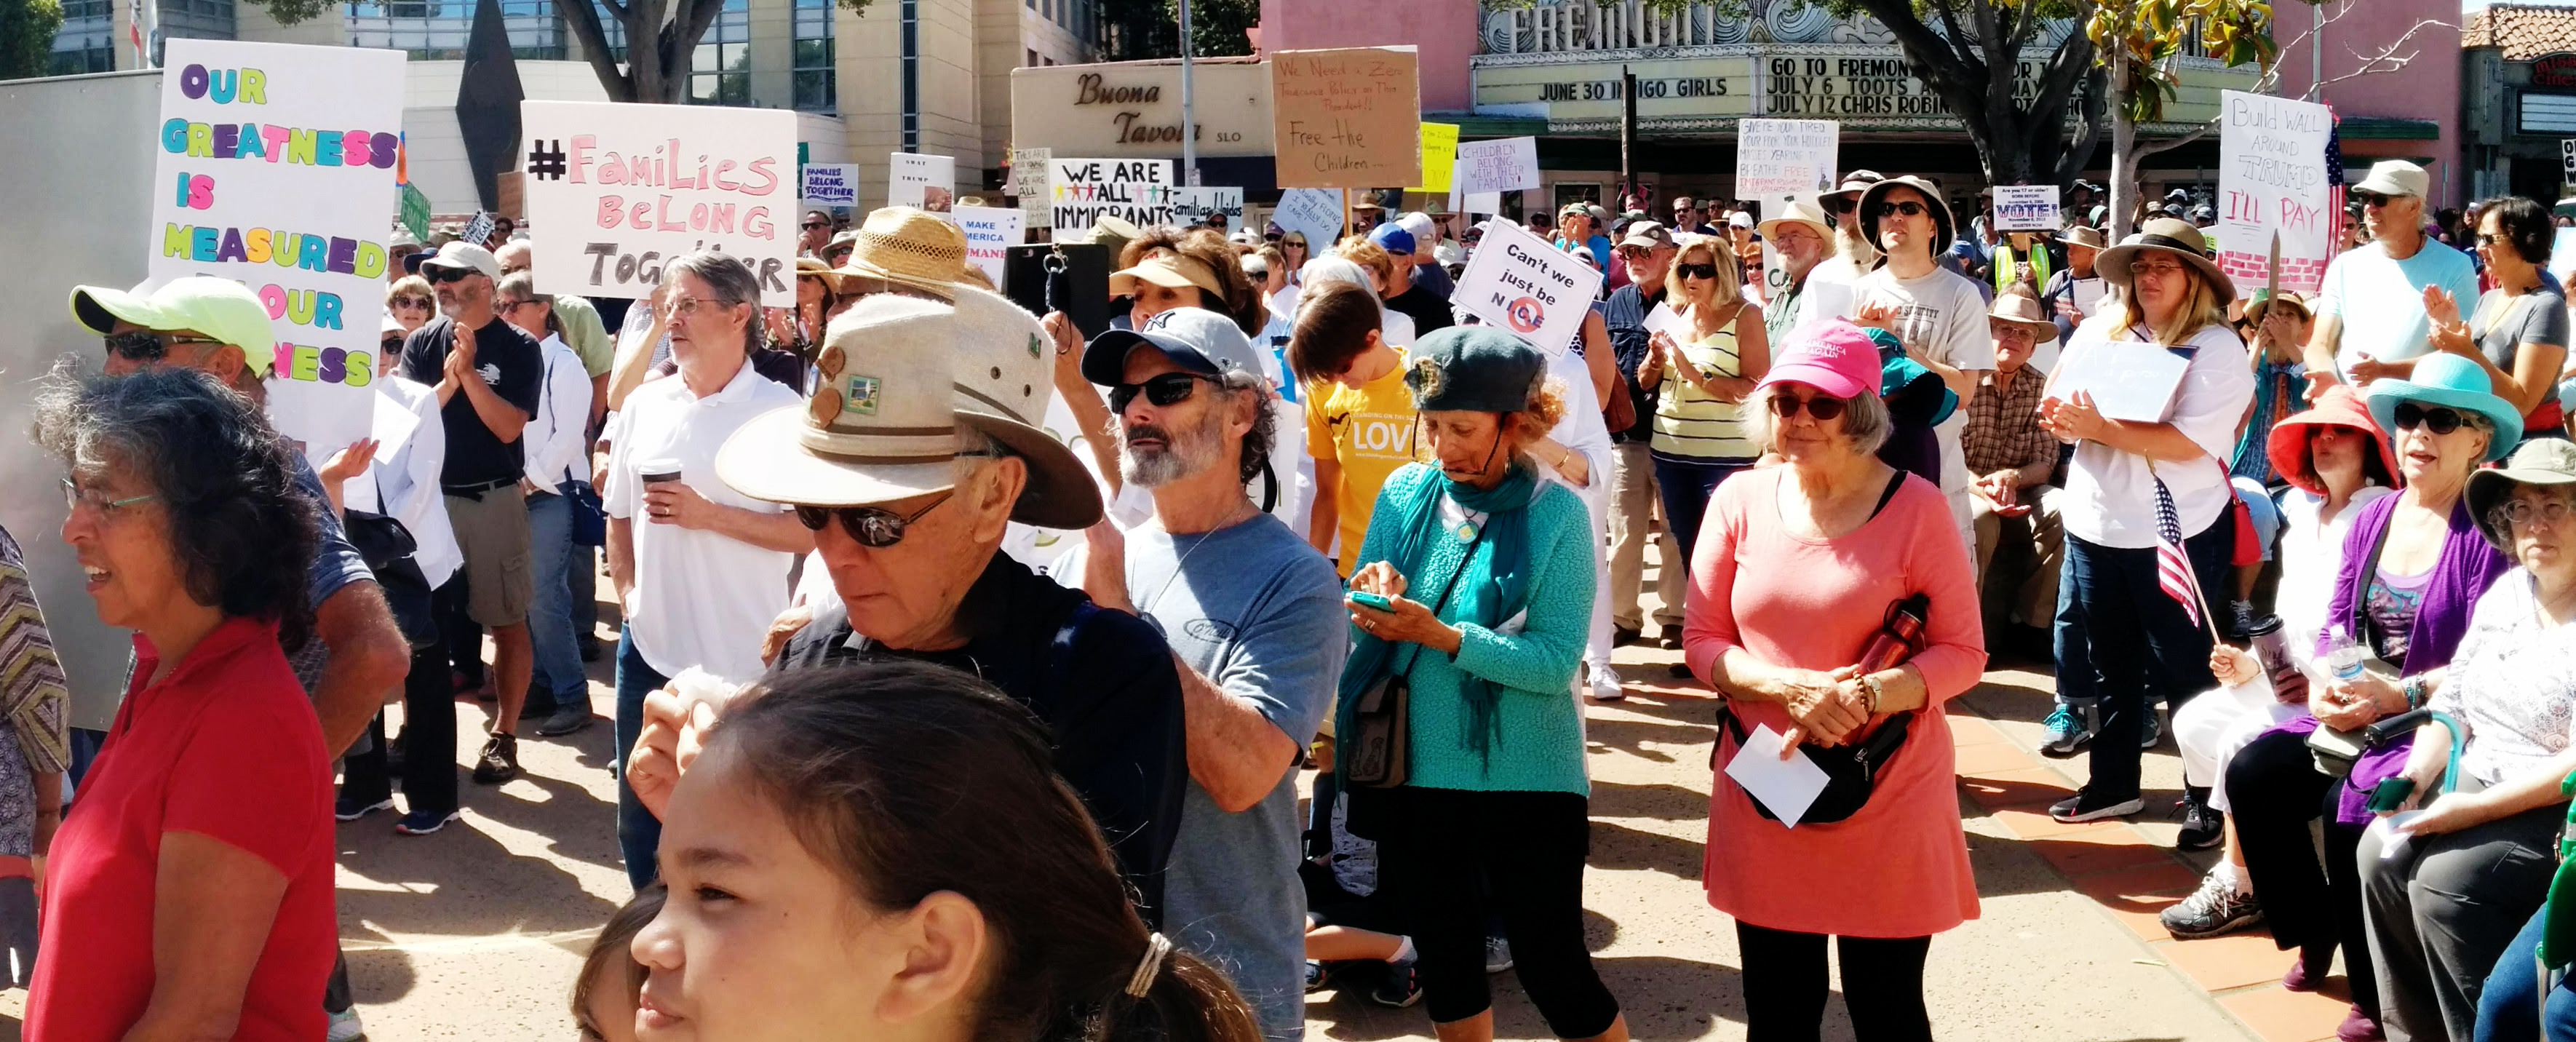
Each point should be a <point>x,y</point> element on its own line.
<point>351,808</point>
<point>499,761</point>
<point>1400,988</point>
<point>2358,1026</point>
<point>1498,954</point>
<point>2085,806</point>
<point>2202,827</point>
<point>424,822</point>
<point>2214,909</point>
<point>1622,636</point>
<point>345,1027</point>
<point>566,719</point>
<point>1317,977</point>
<point>2148,732</point>
<point>589,648</point>
<point>1606,685</point>
<point>2066,732</point>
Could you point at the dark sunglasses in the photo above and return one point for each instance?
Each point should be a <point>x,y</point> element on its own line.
<point>2438,419</point>
<point>1167,389</point>
<point>1909,208</point>
<point>816,224</point>
<point>873,528</point>
<point>1822,407</point>
<point>146,346</point>
<point>437,274</point>
<point>1697,271</point>
<point>2371,198</point>
<point>1841,204</point>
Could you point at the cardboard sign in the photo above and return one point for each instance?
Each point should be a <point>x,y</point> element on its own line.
<point>273,166</point>
<point>1439,156</point>
<point>990,231</point>
<point>1316,212</point>
<point>832,184</point>
<point>2025,208</point>
<point>1194,205</point>
<point>1516,281</point>
<point>929,182</point>
<point>1346,118</point>
<point>2272,178</point>
<point>1138,191</point>
<point>1782,157</point>
<point>1501,165</point>
<point>623,187</point>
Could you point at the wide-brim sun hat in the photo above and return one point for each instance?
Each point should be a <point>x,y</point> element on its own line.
<point>1168,268</point>
<point>219,308</point>
<point>2540,461</point>
<point>1856,182</point>
<point>2288,445</point>
<point>1833,356</point>
<point>2025,312</point>
<point>1943,231</point>
<point>1799,209</point>
<point>908,245</point>
<point>2167,235</point>
<point>2083,235</point>
<point>2448,380</point>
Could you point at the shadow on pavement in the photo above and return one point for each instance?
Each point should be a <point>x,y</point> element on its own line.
<point>1662,997</point>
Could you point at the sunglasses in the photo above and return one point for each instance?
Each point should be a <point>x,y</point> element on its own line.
<point>873,528</point>
<point>1167,389</point>
<point>2438,419</point>
<point>146,346</point>
<point>2371,198</point>
<point>1909,208</point>
<point>1841,204</point>
<point>437,274</point>
<point>1696,271</point>
<point>811,225</point>
<point>2485,239</point>
<point>1822,407</point>
<point>408,303</point>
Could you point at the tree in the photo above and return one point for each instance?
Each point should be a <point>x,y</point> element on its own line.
<point>2138,40</point>
<point>1217,26</point>
<point>655,73</point>
<point>27,30</point>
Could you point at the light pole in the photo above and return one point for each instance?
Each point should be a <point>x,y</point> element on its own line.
<point>1189,133</point>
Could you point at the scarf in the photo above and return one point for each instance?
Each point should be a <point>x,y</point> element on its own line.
<point>1487,600</point>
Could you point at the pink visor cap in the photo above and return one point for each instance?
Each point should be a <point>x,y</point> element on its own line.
<point>1833,356</point>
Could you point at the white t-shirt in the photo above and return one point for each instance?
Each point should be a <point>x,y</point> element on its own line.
<point>1943,314</point>
<point>407,480</point>
<point>2110,494</point>
<point>701,599</point>
<point>555,434</point>
<point>2311,556</point>
<point>1828,291</point>
<point>2381,299</point>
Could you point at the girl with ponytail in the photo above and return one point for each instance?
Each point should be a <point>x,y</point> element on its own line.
<point>885,852</point>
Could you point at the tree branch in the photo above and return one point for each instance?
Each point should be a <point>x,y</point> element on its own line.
<point>2386,60</point>
<point>2144,149</point>
<point>594,45</point>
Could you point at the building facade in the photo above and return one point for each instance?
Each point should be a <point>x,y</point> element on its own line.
<point>2516,137</point>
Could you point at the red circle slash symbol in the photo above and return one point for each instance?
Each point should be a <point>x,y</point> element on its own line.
<point>1526,315</point>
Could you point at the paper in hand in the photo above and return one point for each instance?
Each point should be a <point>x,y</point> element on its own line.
<point>1663,319</point>
<point>1787,786</point>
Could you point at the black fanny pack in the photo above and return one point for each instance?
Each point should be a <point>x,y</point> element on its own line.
<point>1851,771</point>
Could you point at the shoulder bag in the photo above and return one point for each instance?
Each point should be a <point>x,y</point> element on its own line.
<point>1379,753</point>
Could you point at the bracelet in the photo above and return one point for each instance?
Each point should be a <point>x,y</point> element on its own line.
<point>2416,690</point>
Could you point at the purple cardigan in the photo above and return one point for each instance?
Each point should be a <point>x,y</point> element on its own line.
<point>2468,566</point>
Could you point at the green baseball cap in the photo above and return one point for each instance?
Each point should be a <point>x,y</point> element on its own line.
<point>220,308</point>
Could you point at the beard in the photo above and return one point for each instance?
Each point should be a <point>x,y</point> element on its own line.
<point>1182,454</point>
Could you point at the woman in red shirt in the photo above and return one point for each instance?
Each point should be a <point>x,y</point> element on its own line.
<point>190,887</point>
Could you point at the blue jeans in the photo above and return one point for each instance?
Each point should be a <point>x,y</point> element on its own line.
<point>1686,488</point>
<point>639,833</point>
<point>560,679</point>
<point>2113,590</point>
<point>2511,1008</point>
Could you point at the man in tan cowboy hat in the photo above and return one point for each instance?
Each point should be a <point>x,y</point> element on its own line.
<point>1802,237</point>
<point>2370,311</point>
<point>916,451</point>
<point>2076,285</point>
<point>2009,458</point>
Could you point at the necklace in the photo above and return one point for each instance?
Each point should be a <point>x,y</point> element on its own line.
<point>1240,515</point>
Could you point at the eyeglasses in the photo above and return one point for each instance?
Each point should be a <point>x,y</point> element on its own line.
<point>683,307</point>
<point>437,274</point>
<point>2156,268</point>
<point>1167,389</point>
<point>509,306</point>
<point>1909,208</point>
<point>143,345</point>
<point>811,225</point>
<point>2438,419</point>
<point>2372,198</point>
<point>872,528</point>
<point>1822,407</point>
<point>1696,271</point>
<point>2525,512</point>
<point>409,303</point>
<point>76,497</point>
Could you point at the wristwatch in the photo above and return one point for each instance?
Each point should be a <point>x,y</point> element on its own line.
<point>1877,694</point>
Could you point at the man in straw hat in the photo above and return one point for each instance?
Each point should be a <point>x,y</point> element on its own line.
<point>1932,309</point>
<point>1802,237</point>
<point>2076,286</point>
<point>1853,255</point>
<point>2009,458</point>
<point>2370,311</point>
<point>916,451</point>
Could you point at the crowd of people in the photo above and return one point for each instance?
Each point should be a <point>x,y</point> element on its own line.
<point>1307,513</point>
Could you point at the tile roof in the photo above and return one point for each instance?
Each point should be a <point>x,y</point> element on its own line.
<point>2522,31</point>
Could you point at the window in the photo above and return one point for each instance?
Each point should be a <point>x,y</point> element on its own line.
<point>720,70</point>
<point>438,29</point>
<point>87,40</point>
<point>613,30</point>
<point>1033,59</point>
<point>816,78</point>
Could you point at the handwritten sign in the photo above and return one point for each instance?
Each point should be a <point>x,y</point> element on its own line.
<point>1782,157</point>
<point>990,230</point>
<point>1347,118</point>
<point>2025,208</point>
<point>1439,156</point>
<point>1031,171</point>
<point>832,184</point>
<point>1138,191</point>
<point>1516,281</point>
<point>275,166</point>
<point>624,187</point>
<point>2272,178</point>
<point>1196,205</point>
<point>1501,165</point>
<point>1314,212</point>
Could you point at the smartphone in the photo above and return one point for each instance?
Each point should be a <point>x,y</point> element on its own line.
<point>1373,600</point>
<point>2391,794</point>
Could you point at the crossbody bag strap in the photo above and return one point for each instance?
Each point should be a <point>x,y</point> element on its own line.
<point>2361,585</point>
<point>1464,563</point>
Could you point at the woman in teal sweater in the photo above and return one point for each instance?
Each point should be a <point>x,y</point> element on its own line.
<point>1488,584</point>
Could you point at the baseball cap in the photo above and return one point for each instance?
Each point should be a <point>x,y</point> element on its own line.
<point>219,308</point>
<point>1195,339</point>
<point>1394,238</point>
<point>1417,224</point>
<point>1739,219</point>
<point>465,256</point>
<point>1833,356</point>
<point>1647,234</point>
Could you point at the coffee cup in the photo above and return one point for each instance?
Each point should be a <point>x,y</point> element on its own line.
<point>655,470</point>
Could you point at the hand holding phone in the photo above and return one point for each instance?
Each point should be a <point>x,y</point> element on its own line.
<point>1366,599</point>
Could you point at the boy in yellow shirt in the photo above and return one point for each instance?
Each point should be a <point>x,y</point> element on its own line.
<point>1359,417</point>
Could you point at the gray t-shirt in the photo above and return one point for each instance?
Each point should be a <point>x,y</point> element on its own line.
<point>2504,323</point>
<point>1255,610</point>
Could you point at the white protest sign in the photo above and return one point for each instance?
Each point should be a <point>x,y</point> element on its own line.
<point>1476,202</point>
<point>832,184</point>
<point>989,231</point>
<point>2025,208</point>
<point>1518,282</point>
<point>479,230</point>
<point>2272,179</point>
<point>1194,205</point>
<point>1138,191</point>
<point>1031,174</point>
<point>1315,212</point>
<point>250,187</point>
<point>2562,255</point>
<point>2126,383</point>
<point>1781,157</point>
<point>621,188</point>
<point>929,182</point>
<point>1501,165</point>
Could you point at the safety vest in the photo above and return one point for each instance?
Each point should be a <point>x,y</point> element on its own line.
<point>2005,268</point>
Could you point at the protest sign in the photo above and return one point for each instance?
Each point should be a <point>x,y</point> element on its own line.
<point>1776,158</point>
<point>622,188</point>
<point>415,213</point>
<point>989,231</point>
<point>1138,191</point>
<point>479,230</point>
<point>1315,212</point>
<point>1477,202</point>
<point>1031,176</point>
<point>2272,178</point>
<point>1346,118</point>
<point>1439,156</point>
<point>832,184</point>
<point>929,182</point>
<point>1501,165</point>
<point>2562,256</point>
<point>274,165</point>
<point>1194,205</point>
<point>1518,282</point>
<point>2025,208</point>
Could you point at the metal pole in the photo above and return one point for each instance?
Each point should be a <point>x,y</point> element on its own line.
<point>2317,53</point>
<point>1627,133</point>
<point>1189,132</point>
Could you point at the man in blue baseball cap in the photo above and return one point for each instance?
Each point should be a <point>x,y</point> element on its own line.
<point>1428,308</point>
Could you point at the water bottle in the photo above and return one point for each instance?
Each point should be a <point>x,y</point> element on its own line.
<point>2343,656</point>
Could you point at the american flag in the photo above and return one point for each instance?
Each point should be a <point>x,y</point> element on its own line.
<point>2173,566</point>
<point>2334,175</point>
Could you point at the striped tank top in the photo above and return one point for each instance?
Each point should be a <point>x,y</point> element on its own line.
<point>1692,426</point>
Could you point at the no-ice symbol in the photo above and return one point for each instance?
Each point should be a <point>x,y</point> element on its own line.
<point>1525,315</point>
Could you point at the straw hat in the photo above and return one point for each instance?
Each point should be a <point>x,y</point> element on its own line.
<point>2168,235</point>
<point>2022,311</point>
<point>911,246</point>
<point>2262,301</point>
<point>2083,235</point>
<point>1798,209</point>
